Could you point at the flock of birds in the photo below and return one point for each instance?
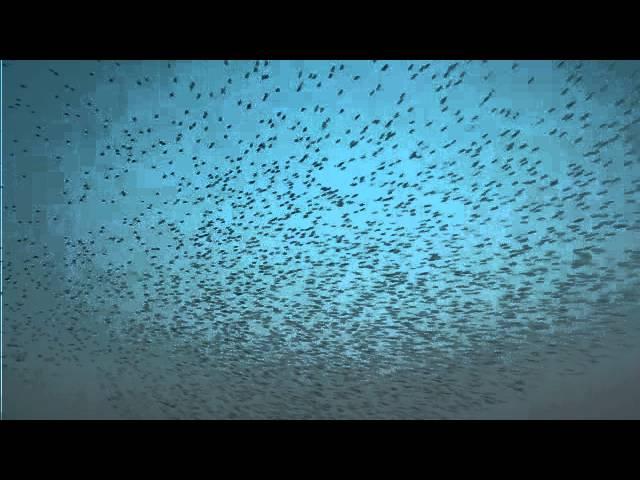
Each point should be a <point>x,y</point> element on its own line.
<point>325,239</point>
